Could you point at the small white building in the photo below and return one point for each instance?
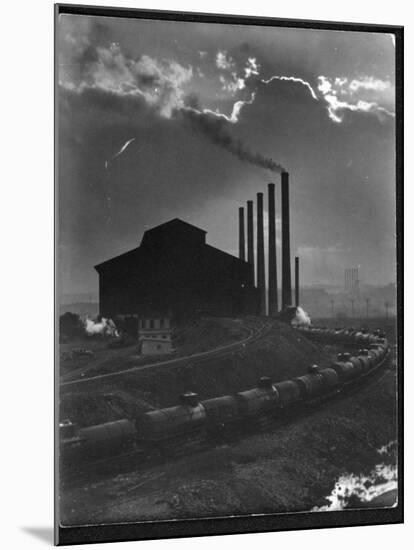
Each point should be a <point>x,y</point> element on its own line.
<point>155,336</point>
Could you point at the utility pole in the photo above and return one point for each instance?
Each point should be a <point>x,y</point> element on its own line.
<point>333,308</point>
<point>367,302</point>
<point>352,307</point>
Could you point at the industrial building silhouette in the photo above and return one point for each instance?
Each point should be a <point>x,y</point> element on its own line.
<point>175,272</point>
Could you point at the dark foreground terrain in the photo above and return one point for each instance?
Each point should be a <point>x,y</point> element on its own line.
<point>289,468</point>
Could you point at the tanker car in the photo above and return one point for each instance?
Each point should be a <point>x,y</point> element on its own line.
<point>195,420</point>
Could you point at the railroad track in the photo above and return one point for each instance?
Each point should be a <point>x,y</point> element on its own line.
<point>254,334</point>
<point>140,459</point>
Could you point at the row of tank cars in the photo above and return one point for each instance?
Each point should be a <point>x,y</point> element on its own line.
<point>195,420</point>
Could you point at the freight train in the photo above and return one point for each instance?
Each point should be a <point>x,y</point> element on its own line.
<point>195,420</point>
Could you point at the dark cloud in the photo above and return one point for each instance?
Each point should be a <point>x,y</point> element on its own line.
<point>165,172</point>
<point>197,165</point>
<point>245,47</point>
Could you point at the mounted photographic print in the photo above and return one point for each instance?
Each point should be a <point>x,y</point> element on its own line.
<point>228,274</point>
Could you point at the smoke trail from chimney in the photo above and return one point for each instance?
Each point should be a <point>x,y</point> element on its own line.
<point>214,128</point>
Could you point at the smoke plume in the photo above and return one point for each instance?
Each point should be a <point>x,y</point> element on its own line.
<point>105,327</point>
<point>214,128</point>
<point>90,64</point>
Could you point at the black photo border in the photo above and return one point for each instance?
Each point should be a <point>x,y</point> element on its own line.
<point>268,522</point>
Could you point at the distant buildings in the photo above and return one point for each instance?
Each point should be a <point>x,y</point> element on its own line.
<point>352,281</point>
<point>336,302</point>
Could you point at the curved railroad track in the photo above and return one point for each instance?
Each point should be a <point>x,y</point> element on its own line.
<point>145,457</point>
<point>254,334</point>
<point>141,460</point>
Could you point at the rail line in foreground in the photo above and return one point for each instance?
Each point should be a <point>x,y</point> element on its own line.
<point>220,351</point>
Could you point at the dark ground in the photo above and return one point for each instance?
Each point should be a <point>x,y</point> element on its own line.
<point>291,468</point>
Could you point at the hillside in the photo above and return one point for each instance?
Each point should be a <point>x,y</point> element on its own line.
<point>275,350</point>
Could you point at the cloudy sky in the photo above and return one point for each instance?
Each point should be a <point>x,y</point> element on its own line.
<point>159,120</point>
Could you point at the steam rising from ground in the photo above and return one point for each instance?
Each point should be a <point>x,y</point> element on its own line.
<point>353,491</point>
<point>105,327</point>
<point>301,318</point>
<point>360,489</point>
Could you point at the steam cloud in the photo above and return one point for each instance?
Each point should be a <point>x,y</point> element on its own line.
<point>214,128</point>
<point>340,95</point>
<point>105,327</point>
<point>381,480</point>
<point>301,318</point>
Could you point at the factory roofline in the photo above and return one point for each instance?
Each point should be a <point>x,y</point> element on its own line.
<point>170,227</point>
<point>174,223</point>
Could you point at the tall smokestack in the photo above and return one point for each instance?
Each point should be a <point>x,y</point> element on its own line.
<point>286,280</point>
<point>297,281</point>
<point>250,244</point>
<point>242,246</point>
<point>261,283</point>
<point>273,305</point>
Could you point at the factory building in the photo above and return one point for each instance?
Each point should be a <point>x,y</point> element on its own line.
<point>155,336</point>
<point>176,273</point>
